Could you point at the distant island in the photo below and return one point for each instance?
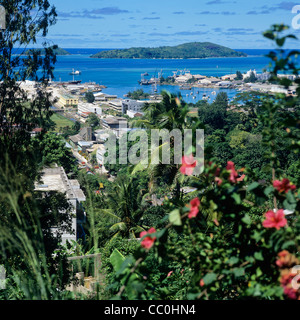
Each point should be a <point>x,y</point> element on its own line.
<point>193,50</point>
<point>57,51</point>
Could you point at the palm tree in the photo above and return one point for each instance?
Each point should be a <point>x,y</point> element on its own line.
<point>125,210</point>
<point>171,113</point>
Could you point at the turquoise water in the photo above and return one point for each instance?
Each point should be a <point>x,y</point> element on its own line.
<point>122,75</point>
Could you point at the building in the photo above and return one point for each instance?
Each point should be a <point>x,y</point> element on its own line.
<point>100,154</point>
<point>85,134</point>
<point>136,105</point>
<point>67,101</point>
<point>85,108</point>
<point>55,179</point>
<point>117,125</point>
<point>85,145</point>
<point>263,76</point>
<point>103,97</point>
<point>248,74</point>
<point>116,105</point>
<point>133,114</point>
<point>230,77</point>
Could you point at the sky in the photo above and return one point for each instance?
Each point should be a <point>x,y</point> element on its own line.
<point>237,24</point>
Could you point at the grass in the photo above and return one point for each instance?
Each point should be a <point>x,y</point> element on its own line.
<point>61,121</point>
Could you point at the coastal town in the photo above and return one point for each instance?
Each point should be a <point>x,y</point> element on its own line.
<point>71,104</point>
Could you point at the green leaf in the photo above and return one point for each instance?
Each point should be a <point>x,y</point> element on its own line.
<point>116,259</point>
<point>239,272</point>
<point>175,218</point>
<point>288,244</point>
<point>237,198</point>
<point>209,278</point>
<point>246,219</point>
<point>232,260</point>
<point>268,190</point>
<point>258,256</point>
<point>253,186</point>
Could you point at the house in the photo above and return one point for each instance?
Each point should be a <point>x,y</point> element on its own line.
<point>55,179</point>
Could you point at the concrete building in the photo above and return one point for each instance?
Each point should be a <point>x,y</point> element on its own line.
<point>85,134</point>
<point>263,76</point>
<point>117,125</point>
<point>84,108</point>
<point>55,179</point>
<point>133,114</point>
<point>67,101</point>
<point>136,105</point>
<point>116,105</point>
<point>103,97</point>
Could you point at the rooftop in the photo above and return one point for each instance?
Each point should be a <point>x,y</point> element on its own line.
<point>55,179</point>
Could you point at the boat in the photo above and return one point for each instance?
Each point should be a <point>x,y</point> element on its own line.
<point>74,82</point>
<point>185,87</point>
<point>75,72</point>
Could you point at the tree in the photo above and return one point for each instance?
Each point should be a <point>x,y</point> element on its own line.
<point>23,228</point>
<point>92,120</point>
<point>125,210</point>
<point>239,75</point>
<point>53,151</point>
<point>89,96</point>
<point>252,78</point>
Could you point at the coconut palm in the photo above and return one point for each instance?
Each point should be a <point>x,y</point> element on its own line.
<point>125,210</point>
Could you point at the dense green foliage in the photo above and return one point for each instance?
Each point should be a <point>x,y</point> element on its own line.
<point>162,232</point>
<point>56,50</point>
<point>197,50</point>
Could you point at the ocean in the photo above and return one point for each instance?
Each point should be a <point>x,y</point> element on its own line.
<point>122,75</point>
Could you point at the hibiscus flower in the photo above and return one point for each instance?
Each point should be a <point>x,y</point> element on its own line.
<point>188,165</point>
<point>147,242</point>
<point>275,220</point>
<point>283,186</point>
<point>194,208</point>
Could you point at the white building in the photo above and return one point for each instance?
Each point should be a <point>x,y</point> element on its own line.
<point>55,179</point>
<point>248,74</point>
<point>136,106</point>
<point>84,108</point>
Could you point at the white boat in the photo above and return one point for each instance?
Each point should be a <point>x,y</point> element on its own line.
<point>75,72</point>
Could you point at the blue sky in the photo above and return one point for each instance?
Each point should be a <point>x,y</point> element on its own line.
<point>152,23</point>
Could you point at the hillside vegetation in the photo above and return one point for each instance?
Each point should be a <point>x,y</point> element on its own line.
<point>196,50</point>
<point>56,50</point>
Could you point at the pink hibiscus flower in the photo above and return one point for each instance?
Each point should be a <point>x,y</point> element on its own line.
<point>194,208</point>
<point>283,186</point>
<point>275,220</point>
<point>147,242</point>
<point>188,165</point>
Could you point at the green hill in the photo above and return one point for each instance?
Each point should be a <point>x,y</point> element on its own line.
<point>193,50</point>
<point>58,51</point>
